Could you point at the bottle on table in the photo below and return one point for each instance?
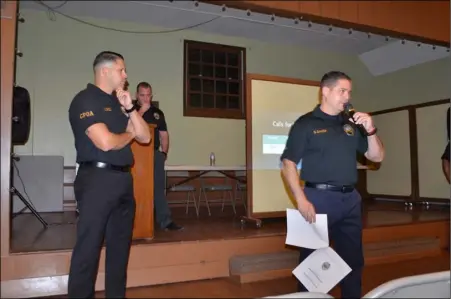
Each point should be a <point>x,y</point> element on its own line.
<point>212,159</point>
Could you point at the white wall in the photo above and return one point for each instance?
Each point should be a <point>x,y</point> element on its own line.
<point>57,63</point>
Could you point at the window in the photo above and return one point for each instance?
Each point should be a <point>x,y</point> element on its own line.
<point>214,80</point>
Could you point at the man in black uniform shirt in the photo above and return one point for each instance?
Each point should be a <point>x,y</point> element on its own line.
<point>445,156</point>
<point>153,115</point>
<point>103,125</point>
<point>328,142</point>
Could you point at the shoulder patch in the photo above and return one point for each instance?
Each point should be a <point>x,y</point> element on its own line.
<point>86,114</point>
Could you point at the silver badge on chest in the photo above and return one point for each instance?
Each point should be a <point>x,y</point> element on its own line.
<point>349,130</point>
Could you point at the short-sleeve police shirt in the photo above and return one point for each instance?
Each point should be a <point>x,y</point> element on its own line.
<point>328,147</point>
<point>91,106</point>
<point>156,117</point>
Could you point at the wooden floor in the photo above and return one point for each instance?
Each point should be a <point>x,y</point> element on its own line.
<point>373,276</point>
<point>28,235</point>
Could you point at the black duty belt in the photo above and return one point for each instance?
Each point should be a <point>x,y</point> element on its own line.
<point>106,166</point>
<point>344,189</point>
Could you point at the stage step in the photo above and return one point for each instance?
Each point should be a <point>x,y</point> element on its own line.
<point>251,268</point>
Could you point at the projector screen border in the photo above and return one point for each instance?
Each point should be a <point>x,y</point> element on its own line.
<point>251,216</point>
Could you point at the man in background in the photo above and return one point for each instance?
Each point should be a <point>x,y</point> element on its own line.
<point>445,156</point>
<point>153,115</point>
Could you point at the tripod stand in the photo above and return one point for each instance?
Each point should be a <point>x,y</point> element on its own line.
<point>14,191</point>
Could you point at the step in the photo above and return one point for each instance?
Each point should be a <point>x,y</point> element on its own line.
<point>261,267</point>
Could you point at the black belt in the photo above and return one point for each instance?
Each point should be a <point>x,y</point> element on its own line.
<point>106,166</point>
<point>344,189</point>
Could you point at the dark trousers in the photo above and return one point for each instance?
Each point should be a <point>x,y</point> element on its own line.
<point>344,217</point>
<point>106,210</point>
<point>163,215</point>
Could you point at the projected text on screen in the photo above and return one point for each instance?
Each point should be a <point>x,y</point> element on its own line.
<point>274,144</point>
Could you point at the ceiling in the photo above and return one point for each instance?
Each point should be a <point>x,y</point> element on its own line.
<point>240,23</point>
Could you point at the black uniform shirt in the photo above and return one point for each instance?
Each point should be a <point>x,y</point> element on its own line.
<point>91,106</point>
<point>155,116</point>
<point>328,147</point>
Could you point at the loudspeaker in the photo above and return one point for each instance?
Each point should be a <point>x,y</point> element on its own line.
<point>21,116</point>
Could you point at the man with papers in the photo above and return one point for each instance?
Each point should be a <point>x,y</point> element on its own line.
<point>327,140</point>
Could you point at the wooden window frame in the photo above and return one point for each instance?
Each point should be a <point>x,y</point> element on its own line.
<point>228,113</point>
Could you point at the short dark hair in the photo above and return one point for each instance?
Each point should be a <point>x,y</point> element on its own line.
<point>330,79</point>
<point>143,85</point>
<point>106,56</point>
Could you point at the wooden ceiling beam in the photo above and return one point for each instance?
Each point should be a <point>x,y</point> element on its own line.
<point>420,21</point>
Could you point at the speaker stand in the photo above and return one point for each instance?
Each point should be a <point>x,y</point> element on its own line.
<point>14,191</point>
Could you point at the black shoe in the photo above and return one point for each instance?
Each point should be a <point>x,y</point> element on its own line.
<point>173,226</point>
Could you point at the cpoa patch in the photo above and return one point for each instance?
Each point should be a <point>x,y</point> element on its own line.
<point>349,130</point>
<point>156,115</point>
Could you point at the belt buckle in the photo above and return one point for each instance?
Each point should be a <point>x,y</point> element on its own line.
<point>343,189</point>
<point>101,165</point>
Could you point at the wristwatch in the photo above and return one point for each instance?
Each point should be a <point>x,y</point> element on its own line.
<point>131,109</point>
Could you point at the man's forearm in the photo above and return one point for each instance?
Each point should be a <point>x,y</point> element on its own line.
<point>164,143</point>
<point>141,128</point>
<point>119,141</point>
<point>376,152</point>
<point>290,173</point>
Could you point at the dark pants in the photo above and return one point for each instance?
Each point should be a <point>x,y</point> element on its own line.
<point>163,215</point>
<point>106,210</point>
<point>344,219</point>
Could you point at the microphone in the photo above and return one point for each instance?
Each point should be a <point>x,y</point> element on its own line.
<point>350,111</point>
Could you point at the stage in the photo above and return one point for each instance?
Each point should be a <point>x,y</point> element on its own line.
<point>40,259</point>
<point>28,234</point>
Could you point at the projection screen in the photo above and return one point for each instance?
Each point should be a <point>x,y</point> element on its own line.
<point>273,106</point>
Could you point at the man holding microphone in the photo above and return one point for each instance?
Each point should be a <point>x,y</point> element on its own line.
<point>327,141</point>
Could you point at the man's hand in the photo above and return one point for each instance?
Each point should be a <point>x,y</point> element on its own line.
<point>365,120</point>
<point>124,98</point>
<point>144,108</point>
<point>307,210</point>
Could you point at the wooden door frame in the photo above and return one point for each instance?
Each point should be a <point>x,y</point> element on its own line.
<point>8,57</point>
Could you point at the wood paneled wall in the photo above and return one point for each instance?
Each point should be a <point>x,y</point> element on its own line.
<point>423,21</point>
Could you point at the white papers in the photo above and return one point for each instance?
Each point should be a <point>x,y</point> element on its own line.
<point>300,233</point>
<point>322,269</point>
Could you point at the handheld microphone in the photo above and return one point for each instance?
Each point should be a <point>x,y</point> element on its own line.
<point>350,111</point>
